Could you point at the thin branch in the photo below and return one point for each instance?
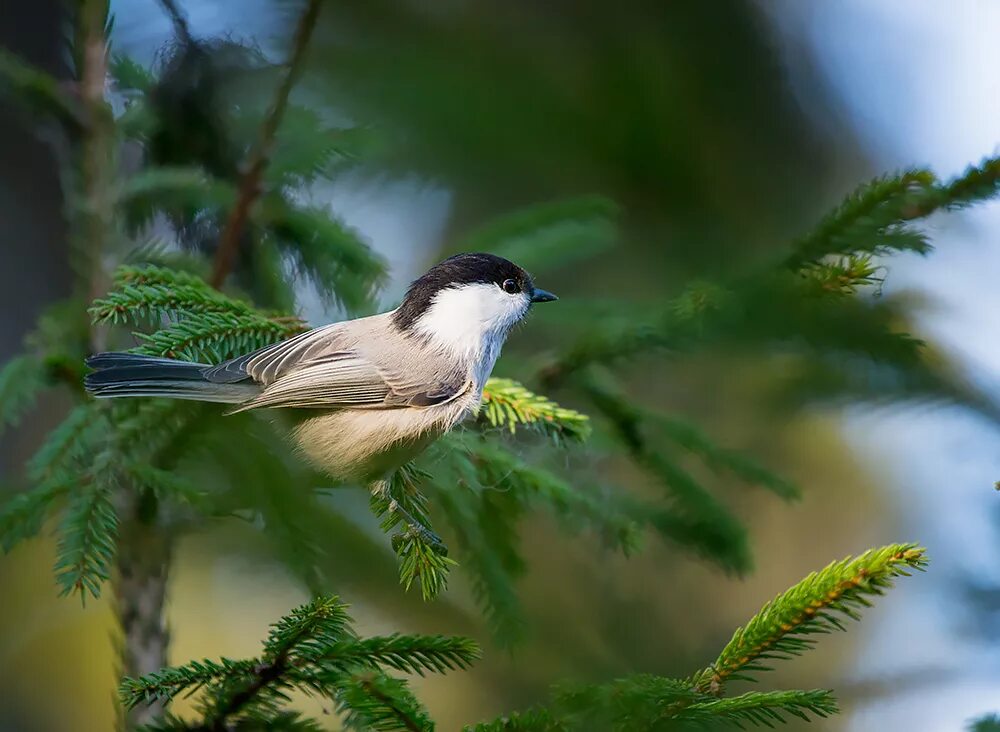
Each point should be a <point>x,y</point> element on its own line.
<point>96,210</point>
<point>179,19</point>
<point>263,676</point>
<point>403,715</point>
<point>250,185</point>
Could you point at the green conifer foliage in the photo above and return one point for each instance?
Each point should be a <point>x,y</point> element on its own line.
<point>230,184</point>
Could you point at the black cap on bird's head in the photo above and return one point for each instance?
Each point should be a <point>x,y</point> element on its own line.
<point>463,270</point>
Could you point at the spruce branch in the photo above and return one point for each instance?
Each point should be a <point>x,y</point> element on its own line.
<point>834,258</point>
<point>313,649</point>
<point>144,303</point>
<point>720,459</point>
<point>327,252</point>
<point>989,723</point>
<point>765,708</point>
<point>379,703</point>
<point>75,436</point>
<point>640,701</point>
<point>818,604</point>
<point>215,337</point>
<point>508,404</point>
<point>168,188</point>
<point>979,182</point>
<point>422,562</point>
<point>784,628</point>
<point>846,275</point>
<point>250,183</point>
<point>492,468</point>
<point>488,542</point>
<point>872,218</point>
<point>532,720</point>
<point>314,625</point>
<point>307,148</point>
<point>557,233</point>
<point>86,541</point>
<point>859,220</point>
<point>129,76</point>
<point>697,519</point>
<point>167,683</point>
<point>423,556</point>
<point>412,654</point>
<point>22,379</point>
<point>40,92</point>
<point>151,293</point>
<point>22,515</point>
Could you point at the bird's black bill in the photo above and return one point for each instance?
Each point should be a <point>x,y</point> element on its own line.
<point>542,296</point>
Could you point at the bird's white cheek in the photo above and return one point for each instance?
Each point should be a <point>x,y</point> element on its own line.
<point>470,318</point>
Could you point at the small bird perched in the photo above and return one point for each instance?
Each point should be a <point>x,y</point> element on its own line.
<point>370,393</point>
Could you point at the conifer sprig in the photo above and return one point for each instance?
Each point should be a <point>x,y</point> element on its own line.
<point>411,654</point>
<point>820,603</point>
<point>22,379</point>
<point>143,294</point>
<point>764,708</point>
<point>165,684</point>
<point>55,459</point>
<point>327,252</point>
<point>490,554</point>
<point>86,547</point>
<point>978,182</point>
<point>508,404</point>
<point>205,325</point>
<point>862,218</point>
<point>216,337</point>
<point>697,519</point>
<point>781,630</point>
<point>532,720</point>
<point>721,459</point>
<point>423,556</point>
<point>373,701</point>
<point>315,650</point>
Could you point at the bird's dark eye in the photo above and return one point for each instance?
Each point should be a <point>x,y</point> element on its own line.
<point>510,286</point>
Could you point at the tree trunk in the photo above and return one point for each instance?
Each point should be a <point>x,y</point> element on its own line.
<point>144,554</point>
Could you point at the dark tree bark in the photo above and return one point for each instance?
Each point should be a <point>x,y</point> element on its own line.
<point>34,266</point>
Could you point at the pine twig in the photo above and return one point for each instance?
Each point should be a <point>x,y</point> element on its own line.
<point>787,625</point>
<point>250,184</point>
<point>508,404</point>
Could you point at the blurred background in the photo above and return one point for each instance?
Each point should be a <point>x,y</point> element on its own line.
<point>722,130</point>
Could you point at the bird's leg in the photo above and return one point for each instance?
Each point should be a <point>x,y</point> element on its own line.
<point>382,490</point>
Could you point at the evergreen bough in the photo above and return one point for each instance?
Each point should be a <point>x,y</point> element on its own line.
<point>314,650</point>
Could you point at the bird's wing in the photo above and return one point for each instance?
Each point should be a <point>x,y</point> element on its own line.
<point>266,364</point>
<point>325,369</point>
<point>348,380</point>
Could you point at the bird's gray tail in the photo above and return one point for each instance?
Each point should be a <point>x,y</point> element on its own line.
<point>132,375</point>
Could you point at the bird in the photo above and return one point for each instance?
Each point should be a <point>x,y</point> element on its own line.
<point>370,394</point>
